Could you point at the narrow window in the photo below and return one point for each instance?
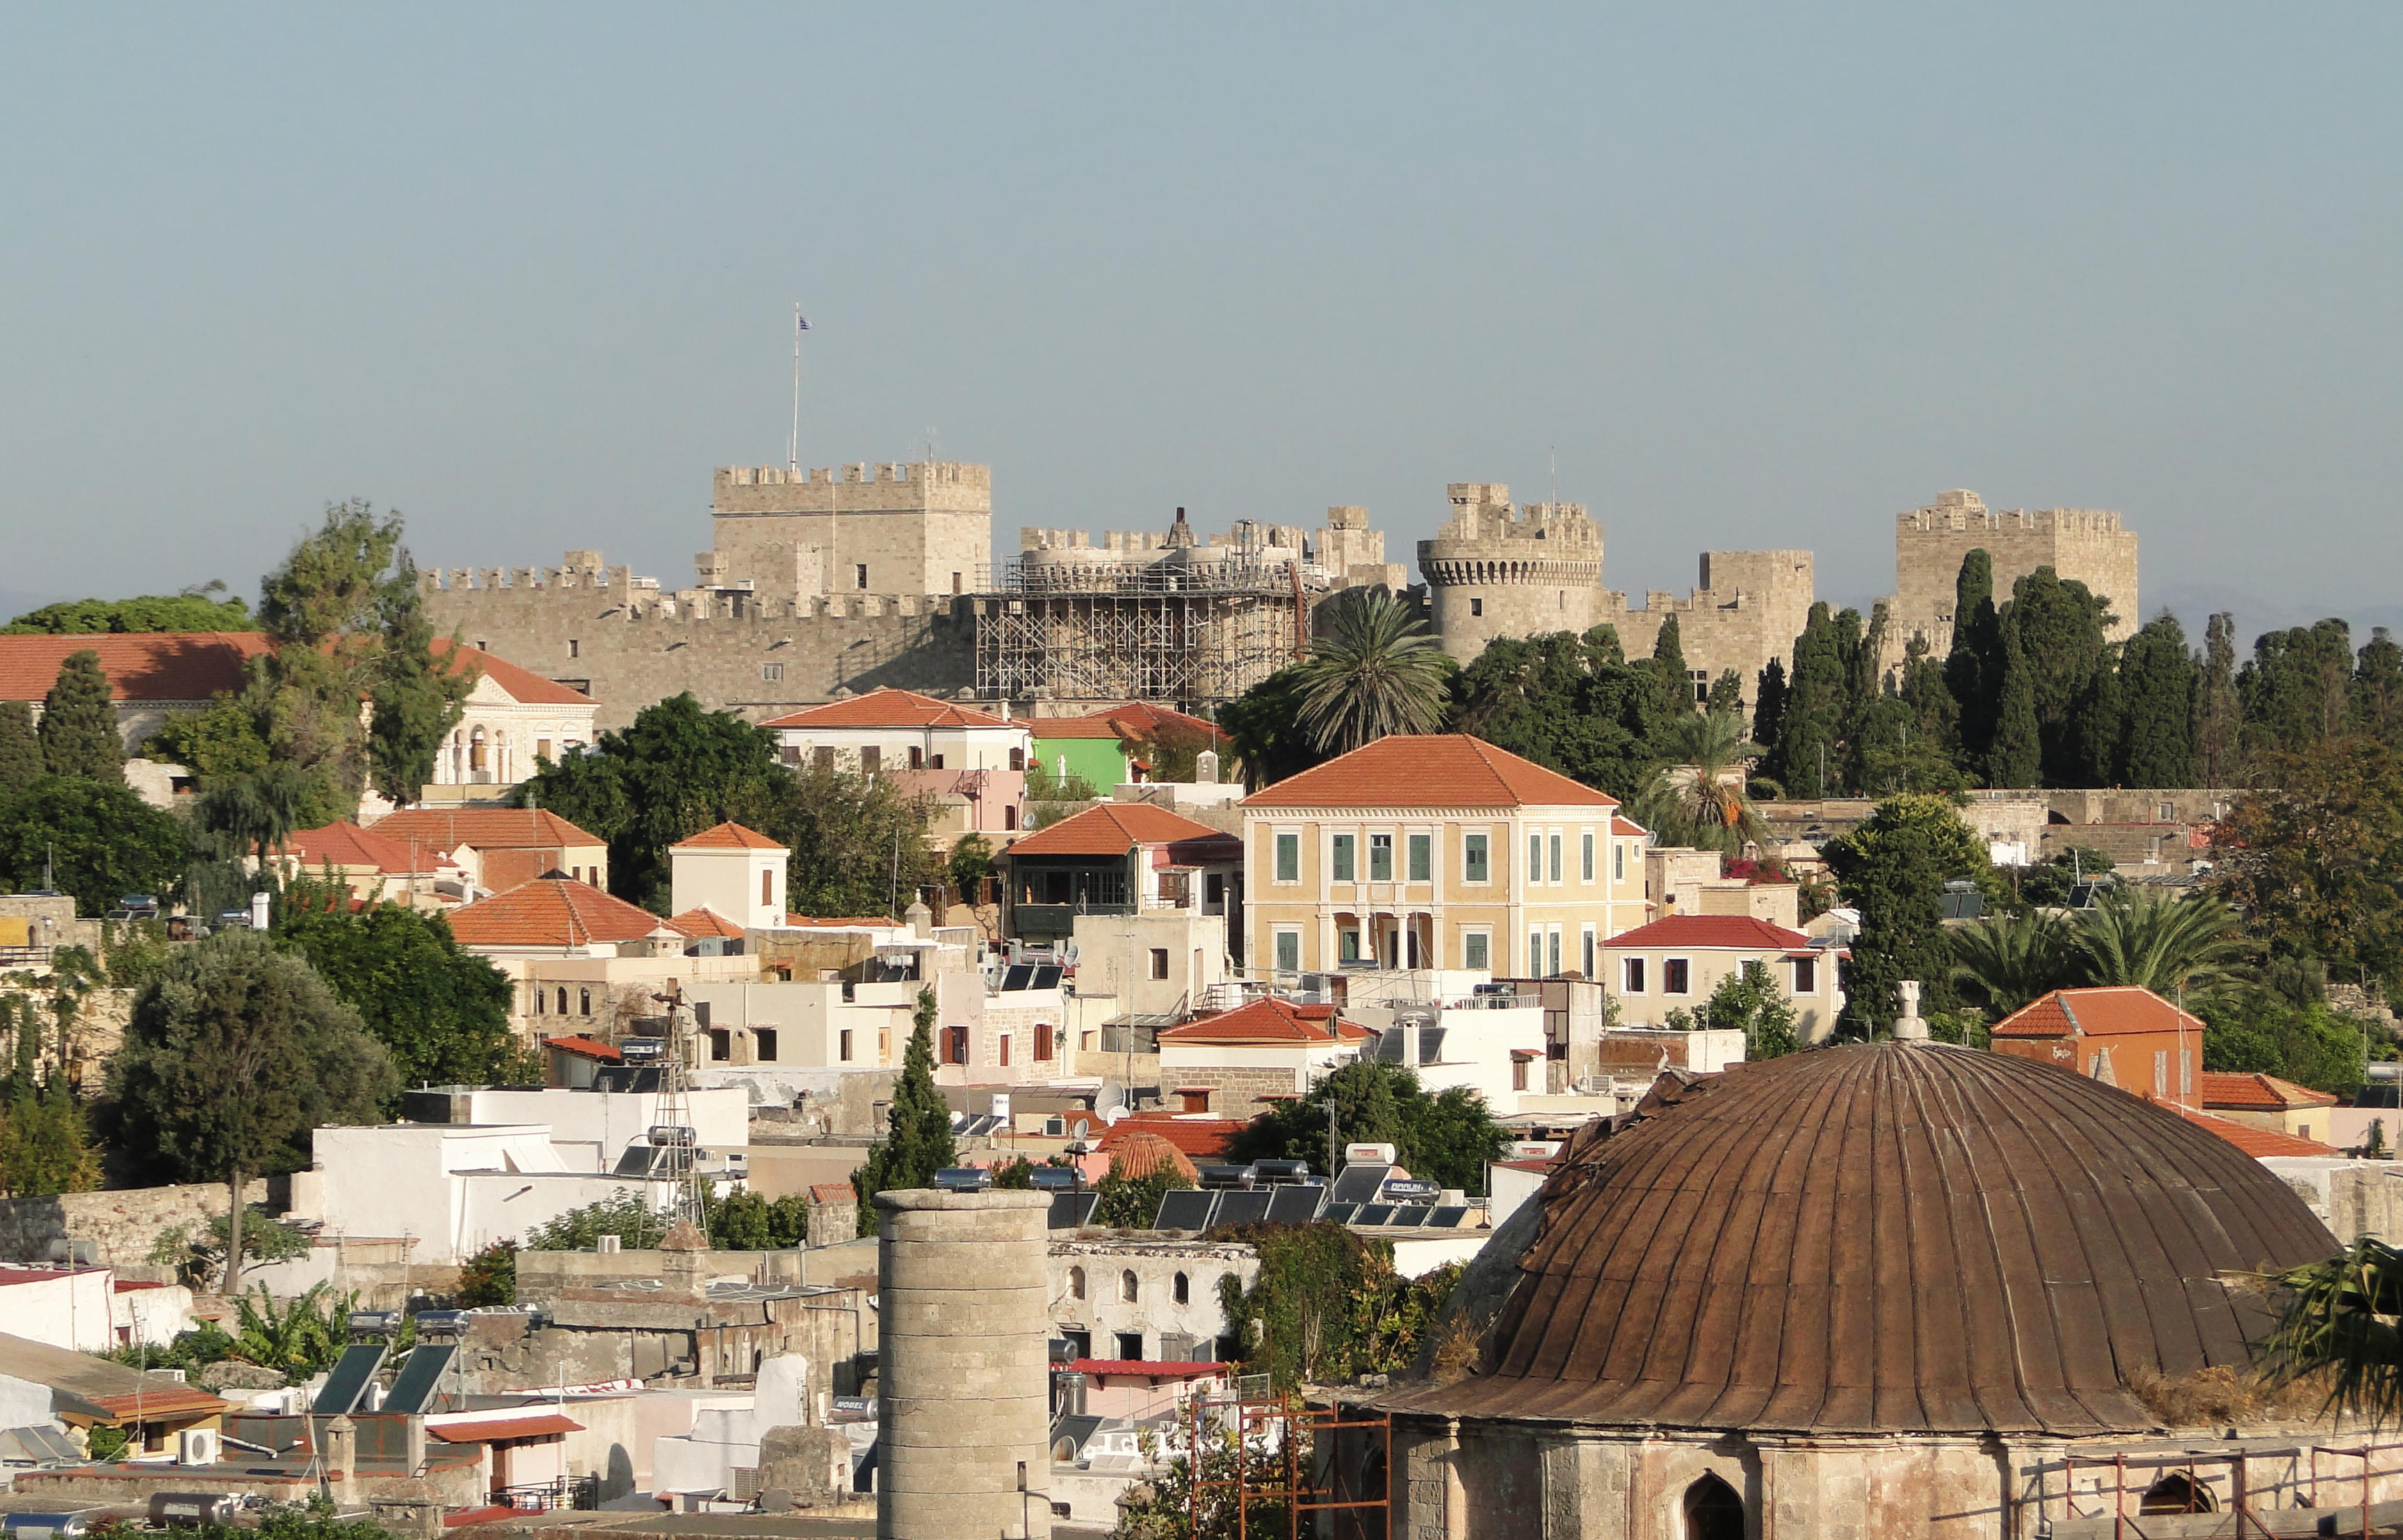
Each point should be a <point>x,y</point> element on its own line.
<point>1475,950</point>
<point>862,571</point>
<point>1676,976</point>
<point>1009,815</point>
<point>955,583</point>
<point>1002,1043</point>
<point>1477,607</point>
<point>1347,945</point>
<point>823,758</point>
<point>1288,858</point>
<point>1129,1290</point>
<point>768,888</point>
<point>1555,970</point>
<point>1806,976</point>
<point>1556,858</point>
<point>1183,1289</point>
<point>1534,953</point>
<point>1381,858</point>
<point>843,1046</point>
<point>1617,862</point>
<point>583,1002</point>
<point>1535,858</point>
<point>1518,1073</point>
<point>1043,1042</point>
<point>721,1044</point>
<point>1586,954</point>
<point>1159,963</point>
<point>1288,951</point>
<point>1018,759</point>
<point>1475,857</point>
<point>1076,1283</point>
<point>917,757</point>
<point>574,649</point>
<point>871,760</point>
<point>562,1000</point>
<point>1342,859</point>
<point>764,1038</point>
<point>1585,866</point>
<point>1421,857</point>
<point>1631,975</point>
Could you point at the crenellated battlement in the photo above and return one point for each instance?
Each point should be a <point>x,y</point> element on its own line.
<point>893,472</point>
<point>576,585</point>
<point>2089,544</point>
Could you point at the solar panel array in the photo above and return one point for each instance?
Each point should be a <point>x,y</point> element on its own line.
<point>1072,1210</point>
<point>348,1380</point>
<point>1186,1209</point>
<point>1241,1206</point>
<point>1360,1184</point>
<point>1294,1204</point>
<point>420,1373</point>
<point>1357,1198</point>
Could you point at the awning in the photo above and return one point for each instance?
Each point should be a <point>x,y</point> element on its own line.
<point>501,1430</point>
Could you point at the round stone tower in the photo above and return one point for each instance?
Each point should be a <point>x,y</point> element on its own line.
<point>962,1376</point>
<point>1496,572</point>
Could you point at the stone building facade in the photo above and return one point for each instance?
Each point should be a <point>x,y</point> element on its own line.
<point>892,528</point>
<point>2086,544</point>
<point>1493,571</point>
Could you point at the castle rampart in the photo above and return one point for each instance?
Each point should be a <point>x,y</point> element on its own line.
<point>871,528</point>
<point>2089,545</point>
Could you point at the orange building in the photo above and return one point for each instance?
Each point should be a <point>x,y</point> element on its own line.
<point>2124,1036</point>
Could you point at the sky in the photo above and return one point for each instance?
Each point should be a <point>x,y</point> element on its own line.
<point>1732,278</point>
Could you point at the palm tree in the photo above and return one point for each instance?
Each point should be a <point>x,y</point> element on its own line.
<point>2170,946</point>
<point>2340,1317</point>
<point>2003,963</point>
<point>1378,671</point>
<point>1701,798</point>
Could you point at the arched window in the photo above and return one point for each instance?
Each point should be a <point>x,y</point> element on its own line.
<point>1183,1289</point>
<point>562,1000</point>
<point>1129,1290</point>
<point>583,1002</point>
<point>538,999</point>
<point>1076,1283</point>
<point>1713,1511</point>
<point>2178,1493</point>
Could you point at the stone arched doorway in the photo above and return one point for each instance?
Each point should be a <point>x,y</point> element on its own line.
<point>2178,1493</point>
<point>1713,1511</point>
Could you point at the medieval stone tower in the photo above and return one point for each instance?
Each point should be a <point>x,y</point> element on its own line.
<point>2085,544</point>
<point>892,528</point>
<point>1494,572</point>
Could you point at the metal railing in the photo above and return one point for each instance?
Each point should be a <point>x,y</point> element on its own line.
<point>565,1491</point>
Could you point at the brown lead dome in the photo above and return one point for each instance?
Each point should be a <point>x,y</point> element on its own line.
<point>1885,1238</point>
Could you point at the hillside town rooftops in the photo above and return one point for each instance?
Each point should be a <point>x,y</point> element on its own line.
<point>552,911</point>
<point>1434,771</point>
<point>1113,829</point>
<point>892,708</point>
<point>485,828</point>
<point>193,666</point>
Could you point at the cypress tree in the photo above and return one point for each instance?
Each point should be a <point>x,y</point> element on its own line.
<point>917,1140</point>
<point>1893,868</point>
<point>1935,716</point>
<point>417,697</point>
<point>1973,668</point>
<point>1669,666</point>
<point>1809,755</point>
<point>20,746</point>
<point>2293,690</point>
<point>2158,680</point>
<point>1768,706</point>
<point>79,724</point>
<point>1727,695</point>
<point>2376,706</point>
<point>2015,757</point>
<point>2218,753</point>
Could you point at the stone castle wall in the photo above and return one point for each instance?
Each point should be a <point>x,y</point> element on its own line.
<point>2086,544</point>
<point>924,528</point>
<point>1750,608</point>
<point>629,646</point>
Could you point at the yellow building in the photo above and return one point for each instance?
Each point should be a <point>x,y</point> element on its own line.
<point>1439,851</point>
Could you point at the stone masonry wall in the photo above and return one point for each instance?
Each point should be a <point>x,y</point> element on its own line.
<point>121,1226</point>
<point>2086,544</point>
<point>917,528</point>
<point>630,647</point>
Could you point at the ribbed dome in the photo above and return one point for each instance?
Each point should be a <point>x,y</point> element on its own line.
<point>1885,1239</point>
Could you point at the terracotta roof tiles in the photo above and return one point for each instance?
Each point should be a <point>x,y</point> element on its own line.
<point>552,911</point>
<point>702,921</point>
<point>1436,770</point>
<point>2258,1092</point>
<point>1738,932</point>
<point>727,836</point>
<point>586,1048</point>
<point>1113,829</point>
<point>2098,1012</point>
<point>1137,720</point>
<point>2256,1142</point>
<point>1268,1019</point>
<point>193,666</point>
<point>1196,1138</point>
<point>485,828</point>
<point>519,684</point>
<point>1144,1150</point>
<point>891,708</point>
<point>347,845</point>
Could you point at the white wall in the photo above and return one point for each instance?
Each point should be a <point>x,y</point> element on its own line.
<point>598,1125</point>
<point>154,1316</point>
<point>727,880</point>
<point>24,1404</point>
<point>65,1309</point>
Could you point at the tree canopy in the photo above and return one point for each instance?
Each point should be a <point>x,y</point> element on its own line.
<point>1377,671</point>
<point>78,731</point>
<point>1892,870</point>
<point>917,1142</point>
<point>1445,1137</point>
<point>2314,857</point>
<point>193,610</point>
<point>100,839</point>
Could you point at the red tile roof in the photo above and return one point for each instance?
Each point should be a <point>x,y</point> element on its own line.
<point>550,911</point>
<point>1113,829</point>
<point>521,685</point>
<point>2254,1142</point>
<point>191,666</point>
<point>1198,1138</point>
<point>534,1426</point>
<point>892,708</point>
<point>703,921</point>
<point>2100,1012</point>
<point>485,828</point>
<point>2258,1092</point>
<point>1736,932</point>
<point>1137,720</point>
<point>1152,1369</point>
<point>1144,1151</point>
<point>586,1048</point>
<point>727,836</point>
<point>1268,1019</point>
<point>346,844</point>
<point>1438,771</point>
<point>1626,826</point>
<point>832,1192</point>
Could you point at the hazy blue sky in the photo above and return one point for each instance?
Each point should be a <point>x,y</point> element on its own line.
<point>1762,278</point>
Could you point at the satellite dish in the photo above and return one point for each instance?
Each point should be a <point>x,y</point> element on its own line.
<point>1111,1118</point>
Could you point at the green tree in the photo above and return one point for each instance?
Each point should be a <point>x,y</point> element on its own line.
<point>100,841</point>
<point>2002,962</point>
<point>1892,870</point>
<point>1750,1002</point>
<point>78,727</point>
<point>2060,628</point>
<point>2339,1321</point>
<point>197,1251</point>
<point>44,1145</point>
<point>2219,714</point>
<point>234,1051</point>
<point>969,865</point>
<point>625,1215</point>
<point>1935,714</point>
<point>1447,1138</point>
<point>216,745</point>
<point>1377,671</point>
<point>2374,706</point>
<point>745,1221</point>
<point>1125,1199</point>
<point>2313,859</point>
<point>1769,704</point>
<point>2157,683</point>
<point>255,811</point>
<point>1702,802</point>
<point>1671,677</point>
<point>859,845</point>
<point>2173,946</point>
<point>2293,690</point>
<point>1570,704</point>
<point>1727,695</point>
<point>1808,758</point>
<point>1973,668</point>
<point>441,1011</point>
<point>2307,1044</point>
<point>917,1141</point>
<point>2015,756</point>
<point>1263,725</point>
<point>416,697</point>
<point>191,610</point>
<point>21,745</point>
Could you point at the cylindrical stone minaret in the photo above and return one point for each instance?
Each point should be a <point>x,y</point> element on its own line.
<point>963,1390</point>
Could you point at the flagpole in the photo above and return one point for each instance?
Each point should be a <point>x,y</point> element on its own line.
<point>793,460</point>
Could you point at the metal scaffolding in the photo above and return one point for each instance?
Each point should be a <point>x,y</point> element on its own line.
<point>1192,636</point>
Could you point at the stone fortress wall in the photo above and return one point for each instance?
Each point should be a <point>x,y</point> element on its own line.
<point>1492,572</point>
<point>892,528</point>
<point>2086,544</point>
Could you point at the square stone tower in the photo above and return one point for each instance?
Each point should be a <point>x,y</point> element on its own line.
<point>2085,544</point>
<point>885,529</point>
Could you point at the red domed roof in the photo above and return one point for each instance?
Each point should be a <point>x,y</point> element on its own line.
<point>1890,1238</point>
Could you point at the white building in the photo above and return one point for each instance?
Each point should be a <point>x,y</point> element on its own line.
<point>1450,1037</point>
<point>66,1308</point>
<point>733,872</point>
<point>511,719</point>
<point>972,763</point>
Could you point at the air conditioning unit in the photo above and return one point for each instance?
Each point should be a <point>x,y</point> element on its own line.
<point>606,1246</point>
<point>196,1447</point>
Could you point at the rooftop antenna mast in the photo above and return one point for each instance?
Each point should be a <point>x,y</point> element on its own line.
<point>793,456</point>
